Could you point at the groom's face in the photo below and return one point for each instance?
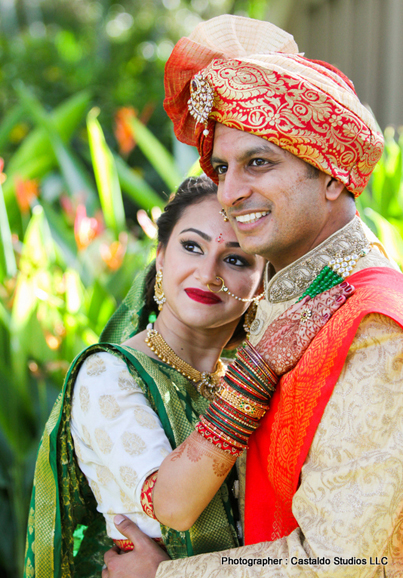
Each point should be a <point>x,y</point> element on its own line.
<point>274,205</point>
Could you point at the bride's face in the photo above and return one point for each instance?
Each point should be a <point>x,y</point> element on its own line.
<point>201,248</point>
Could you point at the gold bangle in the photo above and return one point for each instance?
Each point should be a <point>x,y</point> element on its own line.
<point>241,403</point>
<point>232,424</point>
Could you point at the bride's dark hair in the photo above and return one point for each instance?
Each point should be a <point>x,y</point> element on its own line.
<point>192,191</point>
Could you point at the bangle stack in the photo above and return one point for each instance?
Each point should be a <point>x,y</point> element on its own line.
<point>240,403</point>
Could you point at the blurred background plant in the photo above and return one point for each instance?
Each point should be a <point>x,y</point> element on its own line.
<point>87,162</point>
<point>381,204</point>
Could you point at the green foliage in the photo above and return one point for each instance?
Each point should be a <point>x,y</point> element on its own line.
<point>69,241</point>
<point>67,257</point>
<point>381,204</point>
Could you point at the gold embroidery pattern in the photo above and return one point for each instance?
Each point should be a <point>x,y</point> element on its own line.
<point>127,382</point>
<point>84,397</point>
<point>129,476</point>
<point>133,444</point>
<point>144,418</point>
<point>31,520</point>
<point>86,436</point>
<point>352,468</point>
<point>291,282</point>
<point>290,420</point>
<point>294,115</point>
<point>77,449</point>
<point>96,491</point>
<point>127,503</point>
<point>94,365</point>
<point>109,406</point>
<point>29,569</point>
<point>45,499</point>
<point>103,440</point>
<point>104,475</point>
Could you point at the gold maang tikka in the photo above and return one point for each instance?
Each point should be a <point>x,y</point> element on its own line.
<point>201,100</point>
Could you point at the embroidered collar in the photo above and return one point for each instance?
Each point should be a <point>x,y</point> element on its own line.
<point>292,281</point>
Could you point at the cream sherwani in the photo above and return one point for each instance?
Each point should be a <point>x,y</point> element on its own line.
<point>350,500</point>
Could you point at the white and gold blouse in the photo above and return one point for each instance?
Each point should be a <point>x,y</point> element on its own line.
<point>118,439</point>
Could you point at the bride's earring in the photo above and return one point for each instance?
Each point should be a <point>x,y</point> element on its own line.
<point>159,295</point>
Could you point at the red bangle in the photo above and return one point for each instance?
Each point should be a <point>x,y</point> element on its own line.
<point>127,545</point>
<point>217,441</point>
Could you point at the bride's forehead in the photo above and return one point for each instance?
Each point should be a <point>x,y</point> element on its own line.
<point>205,216</point>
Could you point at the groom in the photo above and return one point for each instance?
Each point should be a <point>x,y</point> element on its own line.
<point>291,146</point>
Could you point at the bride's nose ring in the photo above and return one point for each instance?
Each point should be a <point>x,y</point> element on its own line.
<point>222,288</point>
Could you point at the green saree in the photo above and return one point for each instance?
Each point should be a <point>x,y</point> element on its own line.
<point>66,534</point>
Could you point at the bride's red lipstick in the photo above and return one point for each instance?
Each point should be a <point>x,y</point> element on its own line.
<point>200,296</point>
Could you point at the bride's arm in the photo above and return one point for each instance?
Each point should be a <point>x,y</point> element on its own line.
<point>191,475</point>
<point>118,438</point>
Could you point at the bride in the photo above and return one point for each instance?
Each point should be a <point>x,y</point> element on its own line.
<point>132,399</point>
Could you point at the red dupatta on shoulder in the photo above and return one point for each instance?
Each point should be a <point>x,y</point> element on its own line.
<point>279,447</point>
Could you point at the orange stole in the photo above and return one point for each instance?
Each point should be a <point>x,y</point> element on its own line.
<point>278,448</point>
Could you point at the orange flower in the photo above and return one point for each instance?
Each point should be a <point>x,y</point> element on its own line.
<point>113,254</point>
<point>26,191</point>
<point>2,175</point>
<point>52,341</point>
<point>86,228</point>
<point>123,130</point>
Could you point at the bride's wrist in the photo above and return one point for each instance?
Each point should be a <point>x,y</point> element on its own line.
<point>241,401</point>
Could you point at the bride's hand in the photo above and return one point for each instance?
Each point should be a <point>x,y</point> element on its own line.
<point>287,338</point>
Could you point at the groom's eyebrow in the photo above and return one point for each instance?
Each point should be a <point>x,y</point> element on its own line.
<point>207,237</point>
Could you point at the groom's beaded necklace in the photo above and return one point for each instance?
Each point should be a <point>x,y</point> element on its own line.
<point>333,274</point>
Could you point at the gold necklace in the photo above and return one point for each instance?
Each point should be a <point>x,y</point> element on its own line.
<point>206,383</point>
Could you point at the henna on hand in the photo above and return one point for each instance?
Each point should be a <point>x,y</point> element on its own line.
<point>287,338</point>
<point>197,447</point>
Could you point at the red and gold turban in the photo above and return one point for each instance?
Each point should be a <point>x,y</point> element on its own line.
<point>248,75</point>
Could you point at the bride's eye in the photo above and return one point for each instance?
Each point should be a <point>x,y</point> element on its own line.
<point>236,260</point>
<point>191,247</point>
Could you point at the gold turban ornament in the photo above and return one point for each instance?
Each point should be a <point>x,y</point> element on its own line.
<point>249,75</point>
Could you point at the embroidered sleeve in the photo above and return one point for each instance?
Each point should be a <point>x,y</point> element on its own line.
<point>118,439</point>
<point>349,505</point>
<point>146,497</point>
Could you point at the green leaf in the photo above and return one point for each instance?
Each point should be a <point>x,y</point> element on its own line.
<point>257,9</point>
<point>74,291</point>
<point>12,117</point>
<point>23,307</point>
<point>74,174</point>
<point>393,172</point>
<point>156,153</point>
<point>38,248</point>
<point>106,175</point>
<point>12,413</point>
<point>388,235</point>
<point>65,117</point>
<point>100,307</point>
<point>136,187</point>
<point>195,170</point>
<point>8,266</point>
<point>5,316</point>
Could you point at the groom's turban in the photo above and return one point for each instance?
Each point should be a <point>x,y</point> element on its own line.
<point>248,75</point>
